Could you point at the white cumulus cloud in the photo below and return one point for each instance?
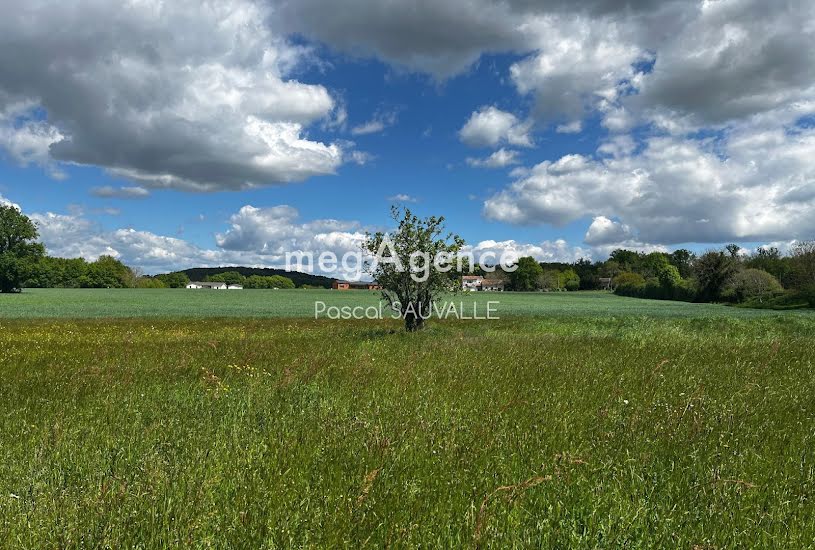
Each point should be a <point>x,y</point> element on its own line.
<point>490,126</point>
<point>187,95</point>
<point>499,159</point>
<point>751,186</point>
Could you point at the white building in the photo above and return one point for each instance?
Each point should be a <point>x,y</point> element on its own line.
<point>210,286</point>
<point>234,287</point>
<point>471,282</point>
<point>476,283</point>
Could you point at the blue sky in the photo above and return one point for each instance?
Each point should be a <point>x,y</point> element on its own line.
<point>676,124</point>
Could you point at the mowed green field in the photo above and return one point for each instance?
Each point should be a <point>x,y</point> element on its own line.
<point>96,303</point>
<point>577,420</point>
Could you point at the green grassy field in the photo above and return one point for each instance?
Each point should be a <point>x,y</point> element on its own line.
<point>94,303</point>
<point>578,420</point>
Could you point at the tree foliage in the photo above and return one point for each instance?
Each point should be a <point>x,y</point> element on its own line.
<point>628,281</point>
<point>713,271</point>
<point>19,251</point>
<point>803,263</point>
<point>752,283</point>
<point>669,277</point>
<point>526,275</point>
<point>174,280</point>
<point>410,264</point>
<point>273,281</point>
<point>228,277</point>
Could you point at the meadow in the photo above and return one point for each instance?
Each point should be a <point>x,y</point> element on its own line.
<point>183,303</point>
<point>580,420</point>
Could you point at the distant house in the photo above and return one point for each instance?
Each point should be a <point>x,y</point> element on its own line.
<point>234,287</point>
<point>605,283</point>
<point>208,285</point>
<point>493,285</point>
<point>355,285</point>
<point>476,283</point>
<point>471,282</point>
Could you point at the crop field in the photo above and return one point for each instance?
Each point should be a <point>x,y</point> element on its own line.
<point>183,303</point>
<point>154,419</point>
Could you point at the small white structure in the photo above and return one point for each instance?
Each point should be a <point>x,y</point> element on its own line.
<point>207,285</point>
<point>471,282</point>
<point>475,283</point>
<point>234,287</point>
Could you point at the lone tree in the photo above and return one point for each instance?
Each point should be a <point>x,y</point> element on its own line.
<point>18,249</point>
<point>414,265</point>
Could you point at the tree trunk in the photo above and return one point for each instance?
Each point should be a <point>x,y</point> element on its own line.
<point>413,321</point>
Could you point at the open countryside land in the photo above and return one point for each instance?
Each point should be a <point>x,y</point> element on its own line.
<point>161,418</point>
<point>407,274</point>
<point>300,303</point>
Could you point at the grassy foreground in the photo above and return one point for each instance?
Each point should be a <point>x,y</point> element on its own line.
<point>568,431</point>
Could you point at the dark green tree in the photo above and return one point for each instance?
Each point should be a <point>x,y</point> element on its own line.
<point>652,264</point>
<point>803,264</point>
<point>669,277</point>
<point>19,251</point>
<point>628,260</point>
<point>527,274</point>
<point>107,272</point>
<point>228,277</point>
<point>174,280</point>
<point>682,259</point>
<point>713,270</point>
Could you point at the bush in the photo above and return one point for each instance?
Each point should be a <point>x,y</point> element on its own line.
<point>261,282</point>
<point>572,285</point>
<point>809,295</point>
<point>751,284</point>
<point>669,276</point>
<point>150,282</point>
<point>629,284</point>
<point>686,291</point>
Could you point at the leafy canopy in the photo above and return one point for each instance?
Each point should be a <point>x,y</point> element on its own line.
<point>414,265</point>
<point>19,253</point>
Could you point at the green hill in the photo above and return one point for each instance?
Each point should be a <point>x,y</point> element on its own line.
<point>299,278</point>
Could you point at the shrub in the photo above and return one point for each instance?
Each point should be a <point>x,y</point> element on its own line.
<point>750,284</point>
<point>669,276</point>
<point>273,281</point>
<point>686,291</point>
<point>572,285</point>
<point>150,282</point>
<point>809,294</point>
<point>629,279</point>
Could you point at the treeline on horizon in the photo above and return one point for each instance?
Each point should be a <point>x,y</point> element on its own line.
<point>109,272</point>
<point>765,278</point>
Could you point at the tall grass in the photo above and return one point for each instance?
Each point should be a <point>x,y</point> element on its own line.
<point>572,432</point>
